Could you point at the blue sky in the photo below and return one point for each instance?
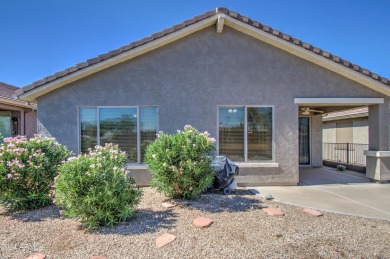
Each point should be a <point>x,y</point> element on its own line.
<point>41,37</point>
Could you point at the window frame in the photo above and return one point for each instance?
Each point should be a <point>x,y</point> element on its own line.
<point>138,107</point>
<point>246,131</point>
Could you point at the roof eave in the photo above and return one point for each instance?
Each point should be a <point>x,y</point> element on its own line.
<point>33,94</point>
<point>15,102</point>
<point>288,46</point>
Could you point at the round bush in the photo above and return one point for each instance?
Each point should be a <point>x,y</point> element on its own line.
<point>95,189</point>
<point>27,171</point>
<point>180,163</point>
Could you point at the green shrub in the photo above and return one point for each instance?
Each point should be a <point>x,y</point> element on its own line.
<point>95,189</point>
<point>180,163</point>
<point>27,171</point>
<point>341,167</point>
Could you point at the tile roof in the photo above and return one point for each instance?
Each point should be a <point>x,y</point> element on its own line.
<point>198,18</point>
<point>7,90</point>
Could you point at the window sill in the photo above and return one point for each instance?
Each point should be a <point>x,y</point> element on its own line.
<point>239,164</point>
<point>136,166</point>
<point>256,164</point>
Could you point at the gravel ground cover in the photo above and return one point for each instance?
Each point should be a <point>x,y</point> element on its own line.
<point>240,230</point>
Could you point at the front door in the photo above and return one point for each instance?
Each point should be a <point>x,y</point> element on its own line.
<point>304,140</point>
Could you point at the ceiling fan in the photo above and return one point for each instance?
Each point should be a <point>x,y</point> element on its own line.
<point>307,111</point>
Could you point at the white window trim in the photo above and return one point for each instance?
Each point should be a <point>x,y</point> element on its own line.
<point>246,132</point>
<point>98,125</point>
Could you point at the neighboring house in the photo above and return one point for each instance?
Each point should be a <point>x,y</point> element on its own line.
<point>345,138</point>
<point>252,87</point>
<point>348,126</point>
<point>17,117</point>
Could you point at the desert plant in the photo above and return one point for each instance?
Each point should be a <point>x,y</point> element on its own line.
<point>94,187</point>
<point>27,171</point>
<point>180,163</point>
<point>341,167</point>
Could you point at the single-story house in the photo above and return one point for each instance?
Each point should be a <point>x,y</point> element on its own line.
<point>249,85</point>
<point>17,117</point>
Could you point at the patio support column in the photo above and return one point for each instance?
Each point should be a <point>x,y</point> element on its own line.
<point>378,155</point>
<point>316,140</point>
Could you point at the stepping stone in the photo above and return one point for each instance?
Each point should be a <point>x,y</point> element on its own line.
<point>169,205</point>
<point>164,239</point>
<point>273,212</point>
<point>37,256</point>
<point>312,212</point>
<point>202,222</point>
<point>98,257</point>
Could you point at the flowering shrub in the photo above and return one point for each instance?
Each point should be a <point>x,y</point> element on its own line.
<point>95,189</point>
<point>27,171</point>
<point>180,163</point>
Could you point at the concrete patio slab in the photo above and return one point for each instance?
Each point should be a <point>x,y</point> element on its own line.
<point>327,190</point>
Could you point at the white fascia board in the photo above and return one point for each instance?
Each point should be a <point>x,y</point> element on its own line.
<point>307,55</point>
<point>338,101</point>
<point>157,43</point>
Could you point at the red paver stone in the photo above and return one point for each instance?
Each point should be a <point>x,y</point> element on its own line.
<point>202,222</point>
<point>164,239</point>
<point>273,212</point>
<point>312,212</point>
<point>37,256</point>
<point>168,205</point>
<point>98,257</point>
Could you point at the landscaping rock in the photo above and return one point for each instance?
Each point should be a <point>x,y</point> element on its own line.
<point>169,205</point>
<point>165,239</point>
<point>202,222</point>
<point>312,212</point>
<point>37,256</point>
<point>273,212</point>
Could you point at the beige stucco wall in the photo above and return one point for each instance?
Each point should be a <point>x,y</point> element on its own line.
<point>329,132</point>
<point>190,78</point>
<point>30,123</point>
<point>360,131</point>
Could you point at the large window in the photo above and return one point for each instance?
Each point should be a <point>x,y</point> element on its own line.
<point>131,128</point>
<point>245,133</point>
<point>5,124</point>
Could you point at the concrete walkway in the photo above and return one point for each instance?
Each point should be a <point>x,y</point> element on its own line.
<point>329,190</point>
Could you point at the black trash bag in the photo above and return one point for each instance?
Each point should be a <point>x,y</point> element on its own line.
<point>225,170</point>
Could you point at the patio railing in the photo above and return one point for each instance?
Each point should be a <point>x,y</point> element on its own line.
<point>348,153</point>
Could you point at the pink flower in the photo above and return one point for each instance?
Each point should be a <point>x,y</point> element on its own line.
<point>9,176</point>
<point>211,139</point>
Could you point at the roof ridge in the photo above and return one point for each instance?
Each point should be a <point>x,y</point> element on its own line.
<point>193,20</point>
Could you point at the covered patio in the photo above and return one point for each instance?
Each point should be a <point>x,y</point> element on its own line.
<point>310,135</point>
